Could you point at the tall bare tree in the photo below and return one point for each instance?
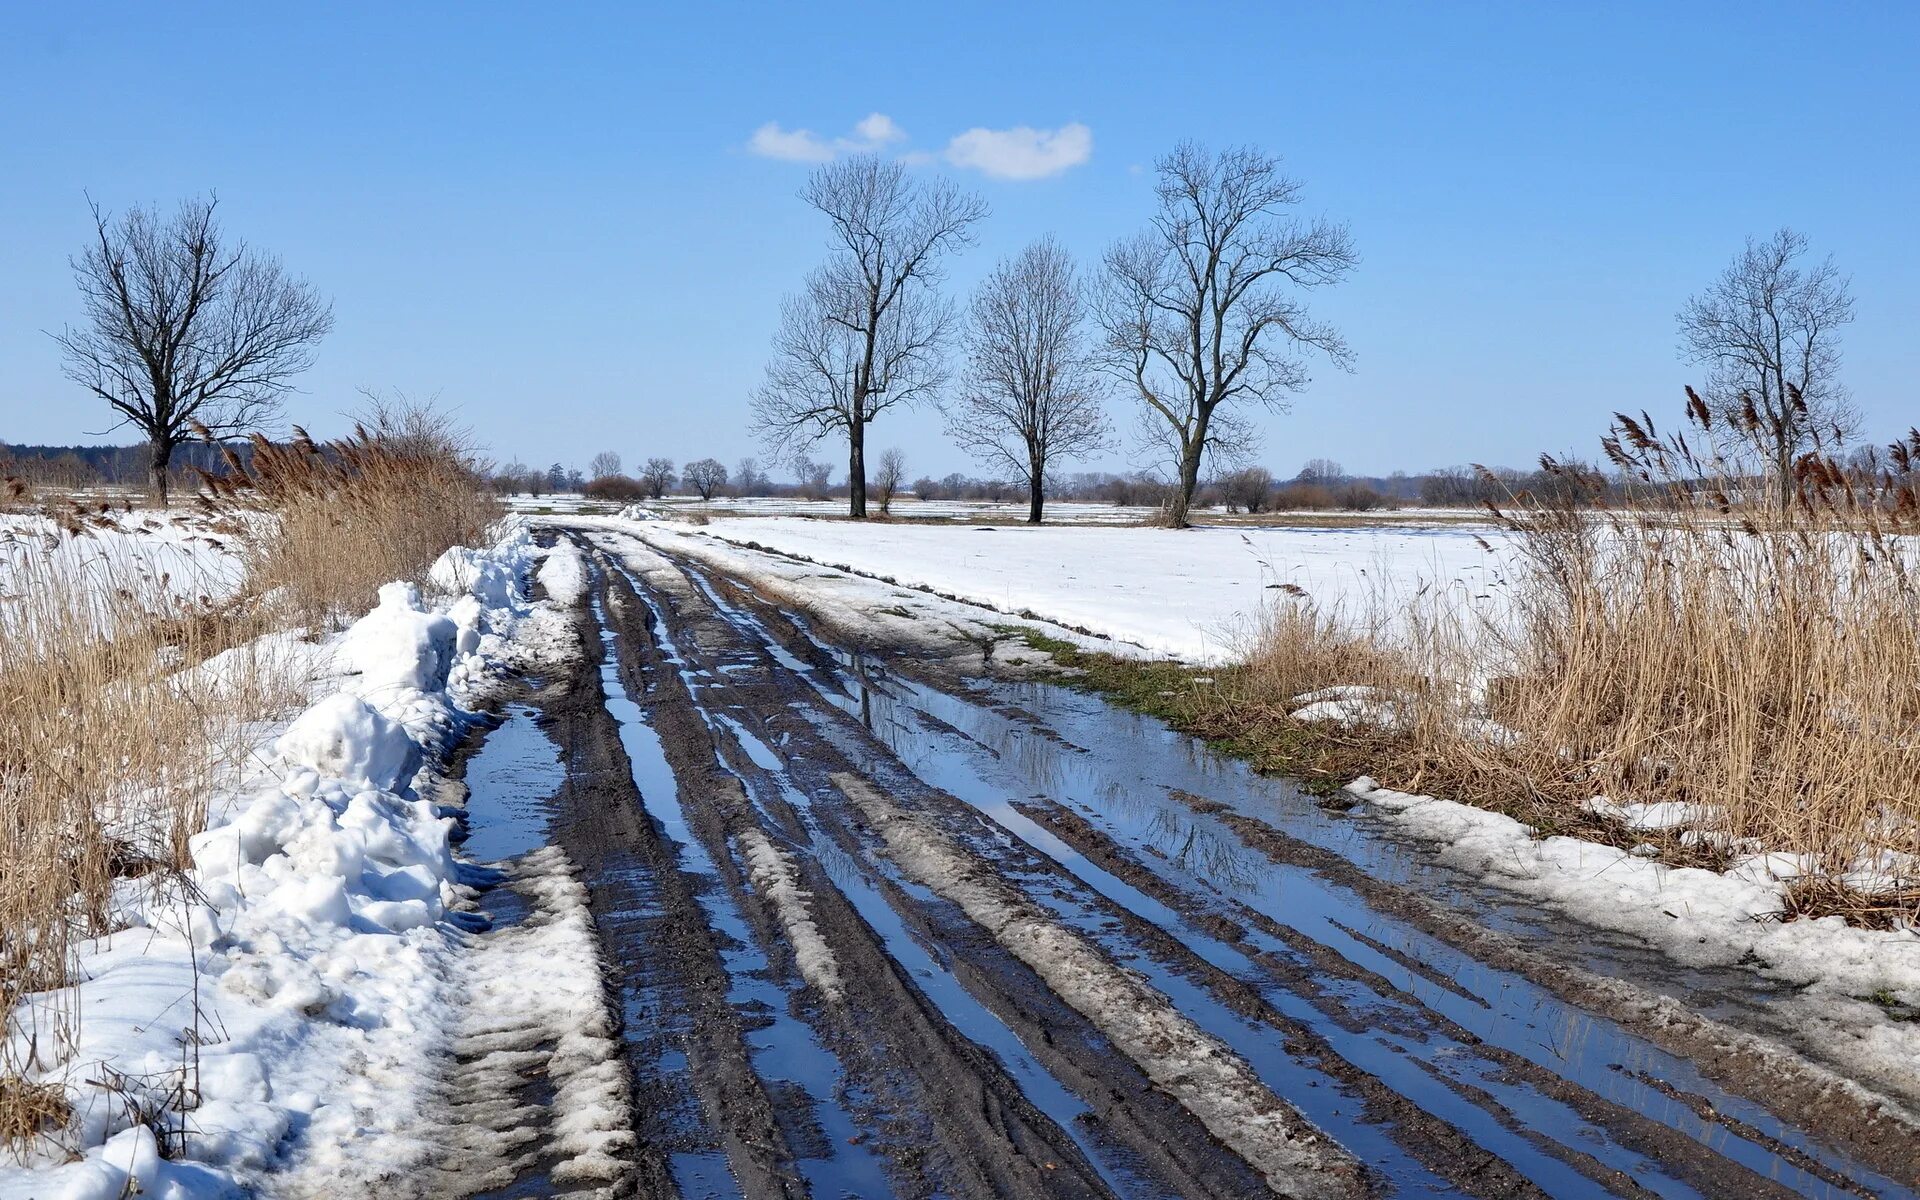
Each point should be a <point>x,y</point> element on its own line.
<point>869,330</point>
<point>705,476</point>
<point>604,464</point>
<point>889,475</point>
<point>657,476</point>
<point>1768,330</point>
<point>1032,396</point>
<point>186,330</point>
<point>1201,314</point>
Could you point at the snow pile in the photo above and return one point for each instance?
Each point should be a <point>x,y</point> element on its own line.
<point>1656,816</point>
<point>300,991</point>
<point>1348,704</point>
<point>564,574</point>
<point>493,575</point>
<point>345,738</point>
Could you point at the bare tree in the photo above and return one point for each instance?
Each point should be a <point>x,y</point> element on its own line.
<point>749,479</point>
<point>892,472</point>
<point>868,331</point>
<point>1201,314</point>
<point>1032,395</point>
<point>657,476</point>
<point>812,477</point>
<point>1323,471</point>
<point>1768,330</point>
<point>604,465</point>
<point>1250,488</point>
<point>185,331</point>
<point>705,476</point>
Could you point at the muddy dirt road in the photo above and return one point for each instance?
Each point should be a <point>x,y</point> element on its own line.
<point>875,937</point>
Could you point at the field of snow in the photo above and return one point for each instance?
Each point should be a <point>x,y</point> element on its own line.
<point>1189,593</point>
<point>191,554</point>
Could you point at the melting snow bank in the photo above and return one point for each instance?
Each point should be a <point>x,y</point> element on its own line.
<point>307,1013</point>
<point>1203,1074</point>
<point>1848,977</point>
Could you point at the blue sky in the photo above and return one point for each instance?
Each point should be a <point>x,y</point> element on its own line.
<point>552,216</point>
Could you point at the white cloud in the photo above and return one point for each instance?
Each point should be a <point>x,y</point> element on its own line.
<point>792,145</point>
<point>1022,152</point>
<point>873,132</point>
<point>877,129</point>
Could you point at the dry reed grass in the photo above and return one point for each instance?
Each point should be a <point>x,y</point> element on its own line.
<point>324,525</point>
<point>109,748</point>
<point>1703,645</point>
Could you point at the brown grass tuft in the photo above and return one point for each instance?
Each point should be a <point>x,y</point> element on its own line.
<point>28,1109</point>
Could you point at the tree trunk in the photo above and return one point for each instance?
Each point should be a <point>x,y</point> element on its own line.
<point>162,458</point>
<point>857,469</point>
<point>1189,479</point>
<point>1036,487</point>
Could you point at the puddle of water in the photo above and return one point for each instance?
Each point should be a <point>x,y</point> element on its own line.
<point>510,779</point>
<point>1120,782</point>
<point>784,1047</point>
<point>973,1020</point>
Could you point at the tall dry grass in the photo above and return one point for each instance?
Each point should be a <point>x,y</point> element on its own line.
<point>1701,644</point>
<point>109,747</point>
<point>325,524</point>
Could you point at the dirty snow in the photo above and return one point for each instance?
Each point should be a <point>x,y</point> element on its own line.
<point>777,878</point>
<point>1698,917</point>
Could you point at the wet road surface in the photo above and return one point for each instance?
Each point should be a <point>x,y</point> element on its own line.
<point>874,937</point>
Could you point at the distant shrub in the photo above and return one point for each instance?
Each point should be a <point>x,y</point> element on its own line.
<point>1358,497</point>
<point>621,489</point>
<point>1303,495</point>
<point>1250,488</point>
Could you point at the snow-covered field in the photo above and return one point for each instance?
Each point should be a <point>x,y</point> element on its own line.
<point>1191,593</point>
<point>189,554</point>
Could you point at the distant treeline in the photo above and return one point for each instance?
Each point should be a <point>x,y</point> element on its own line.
<point>1321,484</point>
<point>112,466</point>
